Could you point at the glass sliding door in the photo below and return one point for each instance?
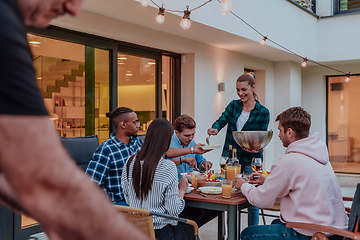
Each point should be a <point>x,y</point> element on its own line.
<point>343,127</point>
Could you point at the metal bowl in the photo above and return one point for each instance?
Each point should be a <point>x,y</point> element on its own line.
<point>253,140</point>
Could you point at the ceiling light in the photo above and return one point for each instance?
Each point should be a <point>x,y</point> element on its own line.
<point>347,79</point>
<point>122,58</point>
<point>151,63</point>
<point>121,63</point>
<point>128,74</point>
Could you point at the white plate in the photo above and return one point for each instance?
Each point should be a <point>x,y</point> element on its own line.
<point>212,184</point>
<point>211,146</point>
<point>210,190</point>
<point>189,189</point>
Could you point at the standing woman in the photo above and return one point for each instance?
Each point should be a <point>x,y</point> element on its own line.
<point>151,182</point>
<point>245,114</point>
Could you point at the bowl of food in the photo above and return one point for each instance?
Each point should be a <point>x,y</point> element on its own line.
<point>188,175</point>
<point>253,140</point>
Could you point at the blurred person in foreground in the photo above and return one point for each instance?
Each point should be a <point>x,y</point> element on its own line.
<point>37,176</point>
<point>302,179</point>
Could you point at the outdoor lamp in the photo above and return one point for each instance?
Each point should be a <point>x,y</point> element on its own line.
<point>145,3</point>
<point>160,18</point>
<point>221,87</point>
<point>185,22</point>
<point>225,7</point>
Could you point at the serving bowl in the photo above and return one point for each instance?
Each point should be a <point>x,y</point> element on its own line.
<point>253,140</point>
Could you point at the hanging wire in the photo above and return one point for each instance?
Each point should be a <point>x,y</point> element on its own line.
<point>262,35</point>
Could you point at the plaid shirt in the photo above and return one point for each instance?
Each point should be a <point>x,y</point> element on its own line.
<point>107,164</point>
<point>258,120</point>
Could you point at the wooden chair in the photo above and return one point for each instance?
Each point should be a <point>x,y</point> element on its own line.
<point>143,219</point>
<point>353,231</point>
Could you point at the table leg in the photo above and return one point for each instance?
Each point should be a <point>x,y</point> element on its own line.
<point>221,226</point>
<point>232,222</point>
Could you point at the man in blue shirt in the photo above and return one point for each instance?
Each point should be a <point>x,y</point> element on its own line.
<point>183,138</point>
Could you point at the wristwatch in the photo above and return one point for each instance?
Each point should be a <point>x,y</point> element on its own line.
<point>192,150</point>
<point>180,160</point>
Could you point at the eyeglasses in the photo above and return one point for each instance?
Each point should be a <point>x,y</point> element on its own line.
<point>135,122</point>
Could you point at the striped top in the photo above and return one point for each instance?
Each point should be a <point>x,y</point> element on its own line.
<point>163,196</point>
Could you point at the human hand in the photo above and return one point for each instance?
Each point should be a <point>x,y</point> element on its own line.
<point>212,131</point>
<point>190,161</point>
<point>199,150</point>
<point>206,165</point>
<point>239,183</point>
<point>183,186</point>
<point>252,151</point>
<point>257,178</point>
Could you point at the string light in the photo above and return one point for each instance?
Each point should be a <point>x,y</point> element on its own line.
<point>145,3</point>
<point>185,22</point>
<point>160,18</point>
<point>347,79</point>
<point>304,62</point>
<point>263,41</point>
<point>225,7</point>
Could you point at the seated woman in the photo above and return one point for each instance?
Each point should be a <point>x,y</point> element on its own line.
<point>149,181</point>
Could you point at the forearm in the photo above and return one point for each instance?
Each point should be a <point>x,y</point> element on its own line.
<point>177,161</point>
<point>176,152</point>
<point>51,188</point>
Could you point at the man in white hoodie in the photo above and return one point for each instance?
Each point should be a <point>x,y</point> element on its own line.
<point>302,179</point>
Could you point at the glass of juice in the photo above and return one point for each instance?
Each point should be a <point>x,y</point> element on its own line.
<point>200,180</point>
<point>230,173</point>
<point>193,180</point>
<point>222,163</point>
<point>256,164</point>
<point>226,188</point>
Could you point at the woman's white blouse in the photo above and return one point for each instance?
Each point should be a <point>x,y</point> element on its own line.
<point>163,196</point>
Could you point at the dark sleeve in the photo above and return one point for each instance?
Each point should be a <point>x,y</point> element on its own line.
<point>19,94</point>
<point>224,118</point>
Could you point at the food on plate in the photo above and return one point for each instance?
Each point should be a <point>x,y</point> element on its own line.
<point>265,173</point>
<point>213,176</point>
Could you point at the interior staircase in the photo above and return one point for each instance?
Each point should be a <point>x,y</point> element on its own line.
<point>59,76</point>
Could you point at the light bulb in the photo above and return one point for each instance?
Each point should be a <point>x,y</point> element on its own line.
<point>304,62</point>
<point>225,7</point>
<point>263,41</point>
<point>347,79</point>
<point>160,18</point>
<point>185,23</point>
<point>145,3</point>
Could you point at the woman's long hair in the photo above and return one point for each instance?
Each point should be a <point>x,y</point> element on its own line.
<point>156,143</point>
<point>250,79</point>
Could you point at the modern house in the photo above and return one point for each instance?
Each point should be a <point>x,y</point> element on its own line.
<point>115,53</point>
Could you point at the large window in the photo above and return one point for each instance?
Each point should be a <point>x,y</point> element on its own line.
<point>74,81</point>
<point>344,6</point>
<point>343,123</point>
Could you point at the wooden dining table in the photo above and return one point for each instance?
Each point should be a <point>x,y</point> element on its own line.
<point>232,205</point>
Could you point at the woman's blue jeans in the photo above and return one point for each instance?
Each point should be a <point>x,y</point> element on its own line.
<point>253,212</point>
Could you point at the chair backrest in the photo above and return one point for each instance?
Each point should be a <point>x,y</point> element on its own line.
<point>354,225</point>
<point>141,136</point>
<point>81,149</point>
<point>140,218</point>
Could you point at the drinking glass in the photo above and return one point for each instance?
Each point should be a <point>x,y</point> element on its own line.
<point>222,163</point>
<point>256,164</point>
<point>226,188</point>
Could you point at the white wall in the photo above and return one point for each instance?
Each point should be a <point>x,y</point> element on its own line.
<point>205,66</point>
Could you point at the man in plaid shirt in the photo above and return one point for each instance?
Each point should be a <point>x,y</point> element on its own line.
<point>110,157</point>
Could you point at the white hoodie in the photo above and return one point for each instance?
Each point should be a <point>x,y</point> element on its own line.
<point>306,184</point>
